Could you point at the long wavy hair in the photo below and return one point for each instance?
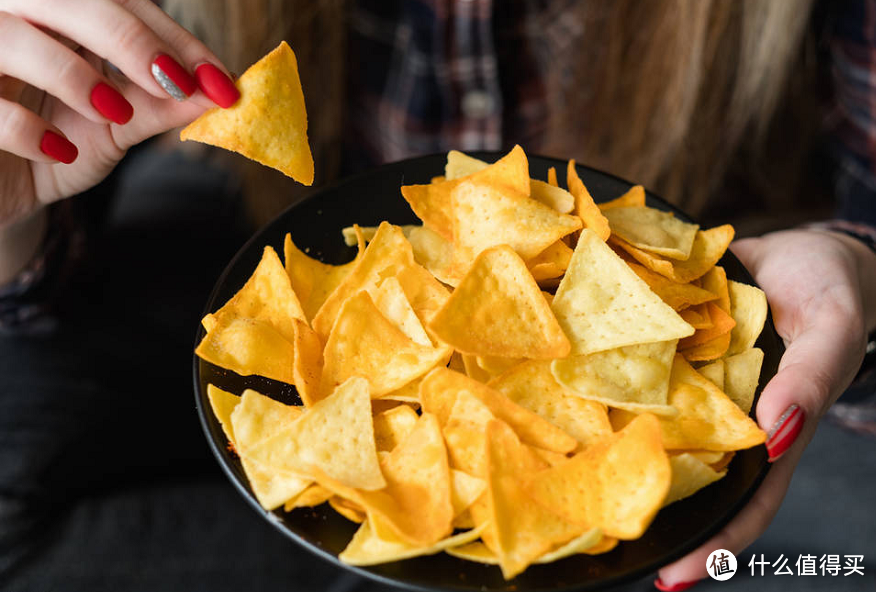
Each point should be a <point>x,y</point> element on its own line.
<point>674,94</point>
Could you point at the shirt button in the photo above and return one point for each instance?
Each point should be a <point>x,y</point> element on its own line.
<point>477,104</point>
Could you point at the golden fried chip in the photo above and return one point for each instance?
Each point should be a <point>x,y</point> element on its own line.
<point>248,347</point>
<point>611,307</point>
<point>474,370</point>
<point>653,230</point>
<point>741,375</point>
<point>523,531</point>
<point>349,510</point>
<point>389,254</point>
<point>464,490</point>
<point>697,316</point>
<point>432,204</point>
<point>552,177</point>
<point>552,196</point>
<point>580,544</point>
<point>617,485</point>
<point>689,475</point>
<point>714,372</point>
<point>223,403</point>
<point>708,248</point>
<point>722,324</point>
<point>634,197</point>
<point>678,296</point>
<point>550,263</point>
<point>498,310</point>
<point>437,254</point>
<point>366,548</point>
<point>365,343</point>
<point>748,307</point>
<point>485,216</point>
<point>707,419</point>
<point>438,394</point>
<point>585,207</point>
<point>313,280</point>
<point>335,436</point>
<point>314,495</point>
<point>268,123</point>
<point>351,233</point>
<point>532,386</point>
<point>307,363</point>
<point>390,300</point>
<point>496,366</point>
<point>392,426</point>
<point>634,377</point>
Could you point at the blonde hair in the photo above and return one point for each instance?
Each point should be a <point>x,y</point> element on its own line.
<point>668,93</point>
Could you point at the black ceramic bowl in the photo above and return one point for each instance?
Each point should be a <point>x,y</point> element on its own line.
<point>368,199</point>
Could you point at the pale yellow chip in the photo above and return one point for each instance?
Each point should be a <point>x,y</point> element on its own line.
<point>602,304</point>
<point>617,485</point>
<point>748,307</point>
<point>366,548</point>
<point>485,216</point>
<point>268,123</point>
<point>365,343</point>
<point>314,495</point>
<point>532,386</point>
<point>392,426</point>
<point>689,475</point>
<point>474,370</point>
<point>248,347</point>
<point>432,204</point>
<point>349,510</point>
<point>741,376</point>
<point>437,254</point>
<point>579,544</point>
<point>438,394</point>
<point>223,404</point>
<point>707,419</point>
<point>523,531</point>
<point>634,377</point>
<point>715,373</point>
<point>335,436</point>
<point>653,230</point>
<point>498,310</point>
<point>388,255</point>
<point>313,280</point>
<point>390,300</point>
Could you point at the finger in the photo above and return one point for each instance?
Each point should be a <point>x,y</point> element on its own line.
<point>212,77</point>
<point>29,136</point>
<point>113,33</point>
<point>35,58</point>
<point>819,363</point>
<point>743,530</point>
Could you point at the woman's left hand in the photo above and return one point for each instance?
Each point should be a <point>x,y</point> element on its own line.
<point>821,287</point>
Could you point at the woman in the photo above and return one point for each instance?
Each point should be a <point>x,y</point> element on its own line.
<point>679,95</point>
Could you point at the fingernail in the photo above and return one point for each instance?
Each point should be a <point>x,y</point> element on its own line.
<point>785,431</point>
<point>173,78</point>
<point>111,103</point>
<point>216,85</point>
<point>675,587</point>
<point>58,147</point>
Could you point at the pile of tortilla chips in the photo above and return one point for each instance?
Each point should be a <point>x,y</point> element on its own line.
<point>526,376</point>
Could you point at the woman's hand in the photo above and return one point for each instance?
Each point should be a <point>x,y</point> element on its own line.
<point>66,116</point>
<point>821,288</point>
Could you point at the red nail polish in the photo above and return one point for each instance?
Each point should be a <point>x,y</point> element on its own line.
<point>58,147</point>
<point>785,431</point>
<point>173,78</point>
<point>111,103</point>
<point>675,587</point>
<point>216,85</point>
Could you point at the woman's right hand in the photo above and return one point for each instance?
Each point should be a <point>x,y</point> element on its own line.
<point>66,116</point>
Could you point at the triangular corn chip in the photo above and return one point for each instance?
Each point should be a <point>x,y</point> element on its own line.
<point>550,263</point>
<point>498,310</point>
<point>552,177</point>
<point>579,544</point>
<point>748,307</point>
<point>313,280</point>
<point>532,386</point>
<point>634,197</point>
<point>741,375</point>
<point>617,485</point>
<point>585,207</point>
<point>653,230</point>
<point>689,475</point>
<point>248,347</point>
<point>390,300</point>
<point>366,548</point>
<point>268,123</point>
<point>714,372</point>
<point>365,343</point>
<point>223,404</point>
<point>602,304</point>
<point>678,296</point>
<point>307,363</point>
<point>392,426</point>
<point>335,437</point>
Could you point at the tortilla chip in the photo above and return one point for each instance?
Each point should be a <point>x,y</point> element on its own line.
<point>617,485</point>
<point>602,304</point>
<point>392,426</point>
<point>498,310</point>
<point>634,197</point>
<point>552,196</point>
<point>366,548</point>
<point>678,296</point>
<point>741,376</point>
<point>248,347</point>
<point>464,490</point>
<point>335,437</point>
<point>714,372</point>
<point>748,307</point>
<point>550,263</point>
<point>307,363</point>
<point>585,207</point>
<point>653,230</point>
<point>390,300</point>
<point>552,177</point>
<point>689,475</point>
<point>314,495</point>
<point>722,324</point>
<point>268,123</point>
<point>635,377</point>
<point>697,316</point>
<point>223,404</point>
<point>579,544</point>
<point>532,386</point>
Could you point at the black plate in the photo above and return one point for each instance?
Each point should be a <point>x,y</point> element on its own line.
<point>367,199</point>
